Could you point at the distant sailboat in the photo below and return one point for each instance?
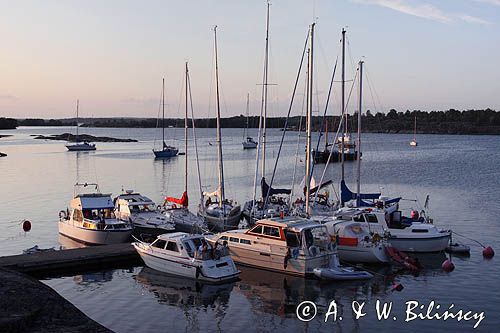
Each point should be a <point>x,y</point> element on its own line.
<point>249,142</point>
<point>166,151</point>
<point>79,146</point>
<point>414,142</point>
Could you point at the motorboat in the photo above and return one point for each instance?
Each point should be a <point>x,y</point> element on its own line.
<point>90,219</point>
<point>183,254</point>
<point>415,234</point>
<point>355,241</point>
<point>143,213</point>
<point>291,245</point>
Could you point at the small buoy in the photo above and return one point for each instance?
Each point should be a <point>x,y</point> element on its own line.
<point>488,252</point>
<point>26,225</point>
<point>397,287</point>
<point>448,266</point>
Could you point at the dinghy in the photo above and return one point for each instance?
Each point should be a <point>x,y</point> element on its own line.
<point>338,272</point>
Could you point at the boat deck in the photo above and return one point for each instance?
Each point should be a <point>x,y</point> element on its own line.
<point>63,261</point>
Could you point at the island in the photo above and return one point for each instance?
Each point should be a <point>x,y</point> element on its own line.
<point>82,137</point>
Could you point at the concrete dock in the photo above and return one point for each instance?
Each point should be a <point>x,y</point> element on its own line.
<point>63,261</point>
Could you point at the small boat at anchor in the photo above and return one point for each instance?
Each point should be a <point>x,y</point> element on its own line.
<point>143,213</point>
<point>78,145</point>
<point>90,219</point>
<point>179,253</point>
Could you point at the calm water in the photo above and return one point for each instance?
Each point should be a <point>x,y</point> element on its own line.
<point>460,173</point>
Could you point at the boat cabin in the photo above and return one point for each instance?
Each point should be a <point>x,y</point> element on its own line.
<point>187,245</point>
<point>94,211</point>
<point>133,203</point>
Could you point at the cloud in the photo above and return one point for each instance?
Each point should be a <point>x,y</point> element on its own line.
<point>491,2</point>
<point>426,11</point>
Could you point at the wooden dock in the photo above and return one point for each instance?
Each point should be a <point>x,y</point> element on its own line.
<point>71,260</point>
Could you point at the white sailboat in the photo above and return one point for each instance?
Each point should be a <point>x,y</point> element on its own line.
<point>176,209</point>
<point>249,142</point>
<point>166,151</point>
<point>414,142</point>
<point>77,145</point>
<point>220,213</point>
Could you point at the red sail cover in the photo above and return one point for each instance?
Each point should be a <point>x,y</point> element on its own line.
<point>182,201</point>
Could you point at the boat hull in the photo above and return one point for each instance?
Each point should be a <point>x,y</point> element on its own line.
<point>321,157</point>
<point>364,255</point>
<point>249,145</point>
<point>165,153</point>
<point>429,244</point>
<point>81,147</point>
<point>184,267</point>
<point>94,237</point>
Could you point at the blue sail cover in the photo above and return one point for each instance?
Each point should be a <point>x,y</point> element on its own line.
<point>265,188</point>
<point>347,195</point>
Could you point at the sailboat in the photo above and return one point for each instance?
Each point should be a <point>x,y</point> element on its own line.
<point>176,209</point>
<point>220,214</point>
<point>277,202</point>
<point>248,142</point>
<point>79,146</point>
<point>166,151</point>
<point>414,142</point>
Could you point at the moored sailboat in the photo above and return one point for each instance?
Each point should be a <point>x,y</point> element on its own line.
<point>248,141</point>
<point>166,151</point>
<point>77,145</point>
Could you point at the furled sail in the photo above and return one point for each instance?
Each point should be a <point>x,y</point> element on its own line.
<point>265,188</point>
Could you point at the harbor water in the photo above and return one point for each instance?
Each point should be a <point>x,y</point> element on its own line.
<point>460,174</point>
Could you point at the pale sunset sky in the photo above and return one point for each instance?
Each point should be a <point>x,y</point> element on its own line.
<point>112,55</point>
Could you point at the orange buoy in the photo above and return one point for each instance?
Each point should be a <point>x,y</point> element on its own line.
<point>448,266</point>
<point>26,225</point>
<point>488,252</point>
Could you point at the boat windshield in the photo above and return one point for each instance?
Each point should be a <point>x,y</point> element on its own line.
<point>317,236</point>
<point>141,208</point>
<point>292,239</point>
<point>98,214</point>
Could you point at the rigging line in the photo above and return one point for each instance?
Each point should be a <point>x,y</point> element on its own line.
<point>298,145</point>
<point>335,140</point>
<point>188,78</point>
<point>157,120</point>
<point>323,119</point>
<point>286,121</point>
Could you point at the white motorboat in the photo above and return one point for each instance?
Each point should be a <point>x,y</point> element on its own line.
<point>408,235</point>
<point>291,245</point>
<point>178,254</point>
<point>90,219</point>
<point>355,242</point>
<point>142,212</point>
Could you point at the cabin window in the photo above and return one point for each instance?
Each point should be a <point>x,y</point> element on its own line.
<point>371,218</point>
<point>159,243</point>
<point>197,242</point>
<point>77,215</point>
<point>358,218</point>
<point>244,241</point>
<point>420,230</point>
<point>271,231</point>
<point>256,230</point>
<point>224,238</point>
<point>234,239</point>
<point>189,248</point>
<point>172,246</point>
<point>292,239</point>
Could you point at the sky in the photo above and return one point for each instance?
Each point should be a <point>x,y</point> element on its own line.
<point>112,55</point>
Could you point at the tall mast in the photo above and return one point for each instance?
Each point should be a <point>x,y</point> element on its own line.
<point>186,134</point>
<point>342,118</point>
<point>248,105</point>
<point>163,112</point>
<point>360,108</point>
<point>264,94</point>
<point>326,135</point>
<point>77,105</point>
<point>309,116</point>
<point>415,129</point>
<point>219,136</point>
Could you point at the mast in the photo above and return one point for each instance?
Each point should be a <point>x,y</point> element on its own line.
<point>219,142</point>
<point>77,105</point>
<point>358,176</point>
<point>264,95</point>
<point>248,105</point>
<point>309,116</point>
<point>343,119</point>
<point>186,134</point>
<point>163,112</point>
<point>326,135</point>
<point>415,130</point>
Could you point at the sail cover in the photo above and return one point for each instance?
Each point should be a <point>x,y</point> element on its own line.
<point>347,195</point>
<point>318,187</point>
<point>265,188</point>
<point>183,201</point>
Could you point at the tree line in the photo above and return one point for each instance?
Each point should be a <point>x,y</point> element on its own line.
<point>435,122</point>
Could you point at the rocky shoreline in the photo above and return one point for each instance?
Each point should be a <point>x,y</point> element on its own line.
<point>82,137</point>
<point>28,305</point>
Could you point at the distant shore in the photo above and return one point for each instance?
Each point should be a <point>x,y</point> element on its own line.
<point>452,121</point>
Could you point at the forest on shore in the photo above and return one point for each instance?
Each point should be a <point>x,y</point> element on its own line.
<point>435,122</point>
